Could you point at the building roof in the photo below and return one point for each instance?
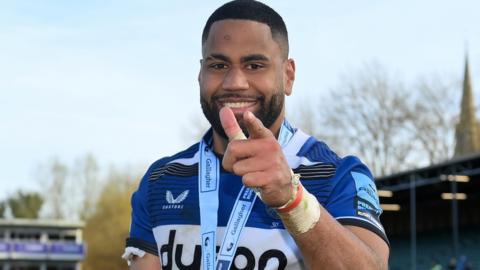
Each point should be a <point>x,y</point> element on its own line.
<point>434,167</point>
<point>43,223</point>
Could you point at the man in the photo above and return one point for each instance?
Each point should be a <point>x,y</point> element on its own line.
<point>199,208</point>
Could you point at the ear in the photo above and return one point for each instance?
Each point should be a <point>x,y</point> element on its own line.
<point>289,76</point>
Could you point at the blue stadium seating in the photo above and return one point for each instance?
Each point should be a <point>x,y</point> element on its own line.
<point>433,247</point>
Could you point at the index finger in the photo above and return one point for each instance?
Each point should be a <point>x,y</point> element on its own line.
<point>255,127</point>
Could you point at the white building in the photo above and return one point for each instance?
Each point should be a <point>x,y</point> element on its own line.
<point>35,244</point>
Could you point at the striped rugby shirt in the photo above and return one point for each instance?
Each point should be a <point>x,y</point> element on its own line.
<point>166,216</point>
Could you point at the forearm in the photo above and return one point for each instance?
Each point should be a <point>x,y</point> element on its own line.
<point>325,242</point>
<point>333,246</point>
<point>146,262</point>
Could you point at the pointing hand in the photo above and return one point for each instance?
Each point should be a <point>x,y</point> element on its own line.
<point>258,159</point>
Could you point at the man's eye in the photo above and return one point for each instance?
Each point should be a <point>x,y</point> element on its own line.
<point>218,66</point>
<point>254,66</point>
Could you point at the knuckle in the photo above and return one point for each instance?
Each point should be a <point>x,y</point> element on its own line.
<point>236,169</point>
<point>232,148</point>
<point>271,145</point>
<point>247,180</point>
<point>277,177</point>
<point>226,162</point>
<point>281,162</point>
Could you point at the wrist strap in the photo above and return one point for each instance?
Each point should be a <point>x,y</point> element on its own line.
<point>296,197</point>
<point>292,203</point>
<point>301,215</point>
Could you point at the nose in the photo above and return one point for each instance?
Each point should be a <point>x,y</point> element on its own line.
<point>235,80</point>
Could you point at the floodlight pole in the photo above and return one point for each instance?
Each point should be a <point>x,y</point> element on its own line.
<point>454,218</point>
<point>413,223</point>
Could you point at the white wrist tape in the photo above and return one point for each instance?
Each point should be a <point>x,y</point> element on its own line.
<point>302,217</point>
<point>239,136</point>
<point>130,252</point>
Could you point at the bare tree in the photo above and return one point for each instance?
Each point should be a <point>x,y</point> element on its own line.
<point>86,185</point>
<point>53,179</point>
<point>70,191</point>
<point>366,114</point>
<point>389,126</point>
<point>433,117</point>
<point>303,117</point>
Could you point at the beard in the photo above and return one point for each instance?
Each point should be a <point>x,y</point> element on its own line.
<point>268,113</point>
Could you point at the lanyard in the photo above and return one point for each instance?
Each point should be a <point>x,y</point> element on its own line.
<point>208,185</point>
<point>209,172</point>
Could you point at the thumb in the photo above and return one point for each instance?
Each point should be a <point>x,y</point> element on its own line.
<point>255,127</point>
<point>230,125</point>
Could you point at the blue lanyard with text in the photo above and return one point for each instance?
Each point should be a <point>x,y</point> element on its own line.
<point>208,174</point>
<point>208,185</point>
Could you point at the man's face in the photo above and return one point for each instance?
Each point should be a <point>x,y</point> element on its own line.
<point>243,68</point>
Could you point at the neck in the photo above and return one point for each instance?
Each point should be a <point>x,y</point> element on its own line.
<point>220,144</point>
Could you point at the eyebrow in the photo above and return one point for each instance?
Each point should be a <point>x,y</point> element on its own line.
<point>247,58</point>
<point>217,56</point>
<point>254,57</point>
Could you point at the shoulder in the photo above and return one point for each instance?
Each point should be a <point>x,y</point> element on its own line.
<point>311,158</point>
<point>318,151</point>
<point>343,185</point>
<point>343,170</point>
<point>185,156</point>
<point>183,162</point>
<point>315,160</point>
<point>314,152</point>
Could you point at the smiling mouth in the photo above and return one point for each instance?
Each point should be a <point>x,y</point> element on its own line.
<point>239,105</point>
<point>237,101</point>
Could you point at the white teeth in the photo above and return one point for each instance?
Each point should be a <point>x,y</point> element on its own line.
<point>238,104</point>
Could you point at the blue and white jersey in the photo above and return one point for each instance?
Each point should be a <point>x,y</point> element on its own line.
<point>166,214</point>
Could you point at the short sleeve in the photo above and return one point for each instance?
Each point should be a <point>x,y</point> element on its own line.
<point>354,198</point>
<point>141,234</point>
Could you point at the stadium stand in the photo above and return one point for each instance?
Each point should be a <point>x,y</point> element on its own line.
<point>447,214</point>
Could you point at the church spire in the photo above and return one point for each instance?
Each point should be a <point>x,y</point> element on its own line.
<point>467,129</point>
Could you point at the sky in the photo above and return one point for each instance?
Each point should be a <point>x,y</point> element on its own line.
<point>118,79</point>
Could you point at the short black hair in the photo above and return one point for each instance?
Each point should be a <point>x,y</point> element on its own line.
<point>254,11</point>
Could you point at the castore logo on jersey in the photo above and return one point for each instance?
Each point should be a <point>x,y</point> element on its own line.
<point>174,203</point>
